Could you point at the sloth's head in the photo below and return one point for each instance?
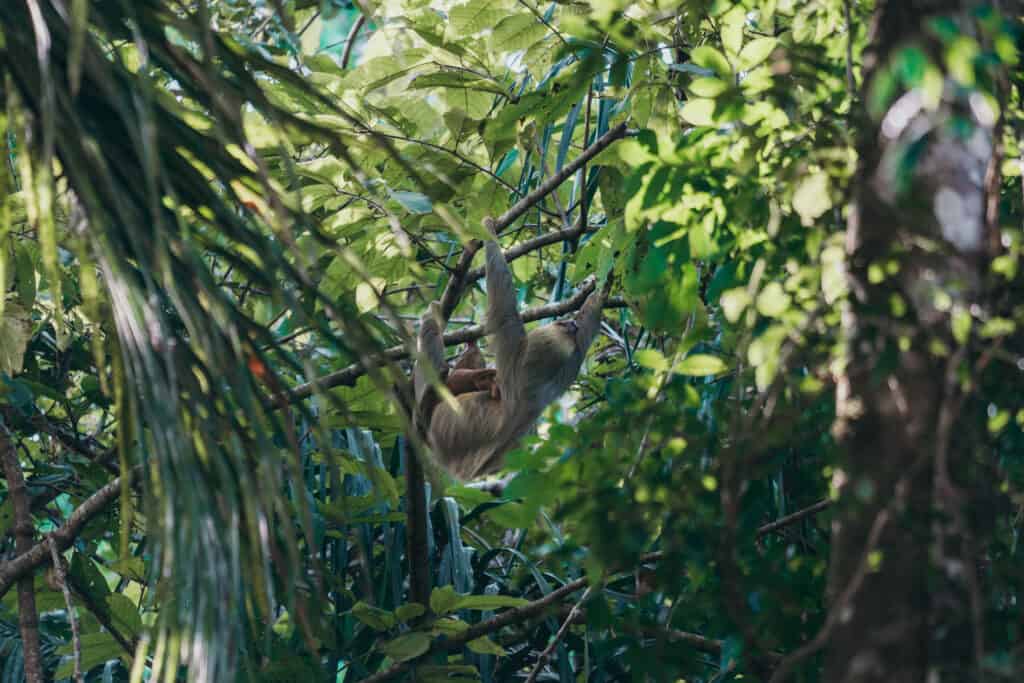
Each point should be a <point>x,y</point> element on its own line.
<point>554,347</point>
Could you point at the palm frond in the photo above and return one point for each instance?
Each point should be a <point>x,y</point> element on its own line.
<point>160,180</point>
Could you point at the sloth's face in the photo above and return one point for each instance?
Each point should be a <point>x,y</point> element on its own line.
<point>549,346</point>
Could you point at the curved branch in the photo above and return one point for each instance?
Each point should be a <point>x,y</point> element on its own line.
<point>794,517</point>
<point>453,291</point>
<point>506,618</point>
<point>545,656</point>
<point>516,615</point>
<point>347,376</point>
<point>350,41</point>
<point>39,554</point>
<point>525,247</point>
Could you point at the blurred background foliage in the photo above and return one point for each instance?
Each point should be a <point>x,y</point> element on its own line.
<point>208,203</point>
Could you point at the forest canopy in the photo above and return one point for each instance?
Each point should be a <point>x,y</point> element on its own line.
<point>782,237</point>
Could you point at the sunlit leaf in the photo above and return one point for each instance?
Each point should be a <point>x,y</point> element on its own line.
<point>755,52</point>
<point>701,365</point>
<point>812,197</point>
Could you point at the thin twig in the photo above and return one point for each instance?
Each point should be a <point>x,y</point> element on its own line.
<point>351,40</point>
<point>794,517</point>
<point>541,19</point>
<point>546,654</point>
<point>455,153</point>
<point>309,23</point>
<point>58,571</point>
<point>103,616</point>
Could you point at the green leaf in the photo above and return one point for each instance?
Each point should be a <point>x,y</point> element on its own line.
<point>699,112</point>
<point>998,422</point>
<point>998,327</point>
<point>469,497</point>
<point>755,52</point>
<point>474,17</point>
<point>486,646</point>
<point>812,197</point>
<point>409,611</point>
<point>763,354</point>
<point>701,365</point>
<point>773,301</point>
<point>731,29</point>
<point>374,617</point>
<point>833,273</point>
<point>125,614</point>
<point>517,32</point>
<point>708,87</point>
<point>378,518</point>
<point>413,202</point>
<point>701,244</point>
<point>448,626</point>
<point>460,80</point>
<point>97,647</point>
<point>734,302</point>
<point>708,57</point>
<point>406,646</point>
<point>133,568</point>
<point>366,297</point>
<point>443,600</point>
<point>488,602</point>
<point>652,359</point>
<point>961,324</point>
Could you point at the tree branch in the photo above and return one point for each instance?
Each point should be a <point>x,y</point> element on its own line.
<point>62,580</point>
<point>795,517</point>
<point>102,614</point>
<point>506,618</point>
<point>453,291</point>
<point>516,615</point>
<point>526,246</point>
<point>350,41</point>
<point>39,554</point>
<point>549,650</point>
<point>461,275</point>
<point>347,376</point>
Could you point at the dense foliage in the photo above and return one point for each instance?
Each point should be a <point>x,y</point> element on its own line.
<point>220,221</point>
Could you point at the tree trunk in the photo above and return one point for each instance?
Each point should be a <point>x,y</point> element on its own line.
<point>918,246</point>
<point>28,617</point>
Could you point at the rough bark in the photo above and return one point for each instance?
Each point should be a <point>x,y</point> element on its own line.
<point>28,617</point>
<point>919,233</point>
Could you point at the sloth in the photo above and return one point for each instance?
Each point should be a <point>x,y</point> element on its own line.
<point>470,374</point>
<point>492,409</point>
